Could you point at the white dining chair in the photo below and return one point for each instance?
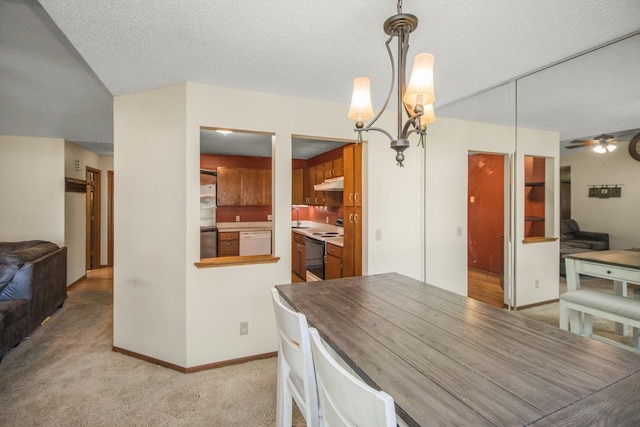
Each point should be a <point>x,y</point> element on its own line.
<point>345,400</point>
<point>296,377</point>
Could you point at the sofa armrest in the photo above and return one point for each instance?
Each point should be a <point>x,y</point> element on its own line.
<point>592,235</point>
<point>49,284</point>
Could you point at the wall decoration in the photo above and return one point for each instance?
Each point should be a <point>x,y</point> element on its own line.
<point>605,191</point>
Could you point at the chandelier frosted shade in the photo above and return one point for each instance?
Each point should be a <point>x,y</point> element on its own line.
<point>603,148</point>
<point>427,117</point>
<point>361,108</point>
<point>420,89</point>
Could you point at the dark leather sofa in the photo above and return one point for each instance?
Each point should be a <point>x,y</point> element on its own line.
<point>573,240</point>
<point>33,284</point>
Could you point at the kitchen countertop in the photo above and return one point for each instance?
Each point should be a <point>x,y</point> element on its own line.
<point>307,228</point>
<point>245,226</point>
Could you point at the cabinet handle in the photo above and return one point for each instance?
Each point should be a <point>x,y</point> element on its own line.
<point>351,197</point>
<point>356,198</point>
<point>355,218</point>
<point>351,218</point>
<point>316,201</point>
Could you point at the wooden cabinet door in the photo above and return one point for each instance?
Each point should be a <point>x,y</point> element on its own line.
<point>352,250</point>
<point>295,253</point>
<point>319,199</point>
<point>251,187</point>
<point>357,174</point>
<point>333,262</point>
<point>266,187</point>
<point>338,169</point>
<point>229,187</point>
<point>297,187</point>
<point>311,180</point>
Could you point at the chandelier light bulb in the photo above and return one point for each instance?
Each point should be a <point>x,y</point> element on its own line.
<point>599,149</point>
<point>610,147</point>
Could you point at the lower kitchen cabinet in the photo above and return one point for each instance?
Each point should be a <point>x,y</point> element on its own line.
<point>352,250</point>
<point>333,262</point>
<point>299,255</point>
<point>228,243</point>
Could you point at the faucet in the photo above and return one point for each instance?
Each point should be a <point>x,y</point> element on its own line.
<point>297,215</point>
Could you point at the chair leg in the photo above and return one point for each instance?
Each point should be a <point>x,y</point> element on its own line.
<point>564,316</point>
<point>284,399</point>
<point>587,325</point>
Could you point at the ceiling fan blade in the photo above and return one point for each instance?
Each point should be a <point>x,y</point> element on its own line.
<point>576,144</point>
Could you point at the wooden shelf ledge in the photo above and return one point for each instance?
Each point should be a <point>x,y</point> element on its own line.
<point>236,260</point>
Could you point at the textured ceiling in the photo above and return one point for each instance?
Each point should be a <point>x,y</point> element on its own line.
<point>305,49</point>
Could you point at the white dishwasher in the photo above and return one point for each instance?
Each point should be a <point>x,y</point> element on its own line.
<point>255,243</point>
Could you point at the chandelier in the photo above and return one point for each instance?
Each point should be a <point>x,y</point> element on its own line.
<point>416,99</point>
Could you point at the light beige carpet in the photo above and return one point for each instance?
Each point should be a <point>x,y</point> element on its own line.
<point>67,375</point>
<point>548,313</point>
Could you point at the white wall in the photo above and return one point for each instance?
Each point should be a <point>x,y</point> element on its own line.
<point>164,306</point>
<point>32,190</point>
<point>76,206</point>
<point>448,145</point>
<point>616,216</point>
<point>538,261</point>
<point>150,282</point>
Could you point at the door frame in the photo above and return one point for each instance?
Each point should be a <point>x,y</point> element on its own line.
<point>93,227</point>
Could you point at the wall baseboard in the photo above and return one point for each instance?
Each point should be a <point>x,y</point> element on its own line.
<point>193,369</point>
<point>77,281</point>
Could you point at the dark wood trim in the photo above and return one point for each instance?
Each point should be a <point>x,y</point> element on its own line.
<point>110,189</point>
<point>194,368</point>
<point>77,282</point>
<point>537,304</point>
<point>236,260</point>
<point>95,226</point>
<point>231,362</point>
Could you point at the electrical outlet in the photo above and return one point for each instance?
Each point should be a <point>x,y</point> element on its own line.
<point>244,328</point>
<point>237,218</point>
<point>537,284</point>
<point>269,217</point>
<point>378,234</point>
<point>327,220</point>
<point>459,231</point>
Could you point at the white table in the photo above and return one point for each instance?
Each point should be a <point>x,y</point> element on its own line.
<point>621,266</point>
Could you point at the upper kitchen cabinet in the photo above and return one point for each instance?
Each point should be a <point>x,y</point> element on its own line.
<point>352,164</point>
<point>244,187</point>
<point>229,187</point>
<point>298,187</point>
<point>333,168</point>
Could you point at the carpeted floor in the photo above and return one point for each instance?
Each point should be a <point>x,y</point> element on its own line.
<point>548,313</point>
<point>67,375</point>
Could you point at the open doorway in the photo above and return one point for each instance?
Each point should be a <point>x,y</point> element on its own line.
<point>486,227</point>
<point>93,218</point>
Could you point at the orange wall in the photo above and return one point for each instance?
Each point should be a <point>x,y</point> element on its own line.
<point>486,213</point>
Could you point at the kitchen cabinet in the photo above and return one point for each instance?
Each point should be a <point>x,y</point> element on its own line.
<point>352,199</point>
<point>333,262</point>
<point>244,187</point>
<point>352,246</point>
<point>299,255</point>
<point>228,243</point>
<point>352,158</point>
<point>229,186</point>
<point>309,180</point>
<point>297,187</point>
<point>333,168</point>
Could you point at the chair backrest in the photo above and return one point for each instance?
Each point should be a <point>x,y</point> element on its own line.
<point>294,353</point>
<point>344,399</point>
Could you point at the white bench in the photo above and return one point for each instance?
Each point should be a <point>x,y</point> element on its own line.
<point>578,307</point>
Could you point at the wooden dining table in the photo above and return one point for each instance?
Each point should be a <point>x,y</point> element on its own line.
<point>450,360</point>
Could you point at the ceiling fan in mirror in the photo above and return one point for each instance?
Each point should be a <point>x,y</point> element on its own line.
<point>601,144</point>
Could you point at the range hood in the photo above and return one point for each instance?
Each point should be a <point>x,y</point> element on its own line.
<point>331,184</point>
